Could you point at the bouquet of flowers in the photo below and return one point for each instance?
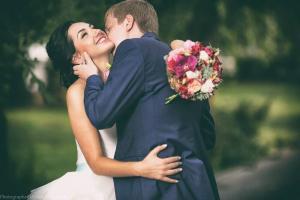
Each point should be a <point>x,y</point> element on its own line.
<point>194,71</point>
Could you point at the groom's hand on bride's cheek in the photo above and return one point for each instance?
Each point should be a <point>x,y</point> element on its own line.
<point>86,69</point>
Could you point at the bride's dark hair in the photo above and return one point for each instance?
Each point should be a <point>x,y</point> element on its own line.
<point>60,49</point>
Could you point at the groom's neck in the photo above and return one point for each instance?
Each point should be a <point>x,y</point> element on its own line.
<point>135,34</point>
<point>132,34</point>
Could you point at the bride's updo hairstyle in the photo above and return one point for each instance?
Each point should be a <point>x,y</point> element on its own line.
<point>60,49</point>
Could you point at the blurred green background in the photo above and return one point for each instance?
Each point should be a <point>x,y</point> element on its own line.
<point>256,109</point>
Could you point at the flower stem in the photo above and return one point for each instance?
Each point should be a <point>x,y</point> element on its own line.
<point>171,98</point>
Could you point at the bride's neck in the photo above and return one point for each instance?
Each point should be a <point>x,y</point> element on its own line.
<point>102,64</point>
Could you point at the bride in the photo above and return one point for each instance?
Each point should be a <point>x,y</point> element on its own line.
<point>95,149</point>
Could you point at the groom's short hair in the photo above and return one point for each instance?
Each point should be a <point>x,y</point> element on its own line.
<point>142,11</point>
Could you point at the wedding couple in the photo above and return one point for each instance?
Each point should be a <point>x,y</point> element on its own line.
<point>153,151</point>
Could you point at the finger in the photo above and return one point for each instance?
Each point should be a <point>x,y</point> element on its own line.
<point>76,67</point>
<point>87,58</point>
<point>158,149</point>
<point>169,180</point>
<point>173,165</point>
<point>172,171</point>
<point>171,159</point>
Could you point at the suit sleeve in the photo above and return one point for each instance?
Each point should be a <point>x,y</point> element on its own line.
<point>207,122</point>
<point>104,103</point>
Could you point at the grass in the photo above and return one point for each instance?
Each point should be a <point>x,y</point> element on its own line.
<point>40,139</point>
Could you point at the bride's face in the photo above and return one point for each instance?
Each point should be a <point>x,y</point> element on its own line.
<point>88,39</point>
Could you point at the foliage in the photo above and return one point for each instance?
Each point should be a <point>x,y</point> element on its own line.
<point>238,134</point>
<point>25,23</point>
<point>244,29</point>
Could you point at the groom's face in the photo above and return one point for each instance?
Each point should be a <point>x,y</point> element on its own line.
<point>116,31</point>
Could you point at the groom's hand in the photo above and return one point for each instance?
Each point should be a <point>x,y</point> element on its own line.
<point>87,69</point>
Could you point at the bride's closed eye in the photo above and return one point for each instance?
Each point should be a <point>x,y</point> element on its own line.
<point>83,35</point>
<point>83,32</point>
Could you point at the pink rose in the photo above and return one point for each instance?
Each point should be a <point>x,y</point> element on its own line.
<point>194,86</point>
<point>192,62</point>
<point>175,53</point>
<point>183,64</point>
<point>188,44</point>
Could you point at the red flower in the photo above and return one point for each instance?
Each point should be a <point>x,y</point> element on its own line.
<point>183,64</point>
<point>209,51</point>
<point>216,66</point>
<point>196,49</point>
<point>171,66</point>
<point>183,91</point>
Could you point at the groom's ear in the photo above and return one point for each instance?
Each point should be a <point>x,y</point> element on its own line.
<point>77,59</point>
<point>129,22</point>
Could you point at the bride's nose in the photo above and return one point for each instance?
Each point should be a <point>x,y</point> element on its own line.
<point>97,32</point>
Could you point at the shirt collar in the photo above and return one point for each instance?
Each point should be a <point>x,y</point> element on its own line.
<point>151,35</point>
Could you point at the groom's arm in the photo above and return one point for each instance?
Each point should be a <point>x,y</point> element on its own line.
<point>105,102</point>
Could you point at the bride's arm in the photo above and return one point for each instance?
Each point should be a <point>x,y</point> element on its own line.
<point>88,139</point>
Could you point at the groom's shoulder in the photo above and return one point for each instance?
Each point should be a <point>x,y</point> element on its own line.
<point>133,42</point>
<point>149,41</point>
<point>127,45</point>
<point>141,45</point>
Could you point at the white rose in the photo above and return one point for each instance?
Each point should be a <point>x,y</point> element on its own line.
<point>191,75</point>
<point>208,86</point>
<point>203,56</point>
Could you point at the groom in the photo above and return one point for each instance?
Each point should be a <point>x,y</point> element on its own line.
<point>134,98</point>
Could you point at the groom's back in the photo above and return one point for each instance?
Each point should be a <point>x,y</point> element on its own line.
<point>186,126</point>
<point>151,122</point>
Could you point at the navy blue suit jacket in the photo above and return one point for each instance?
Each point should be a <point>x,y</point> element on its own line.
<point>134,98</point>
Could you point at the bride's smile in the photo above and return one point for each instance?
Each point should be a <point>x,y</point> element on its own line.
<point>87,38</point>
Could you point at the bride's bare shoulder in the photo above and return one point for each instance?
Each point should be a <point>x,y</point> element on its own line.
<point>75,92</point>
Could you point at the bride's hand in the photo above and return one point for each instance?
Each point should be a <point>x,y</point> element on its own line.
<point>157,168</point>
<point>177,44</point>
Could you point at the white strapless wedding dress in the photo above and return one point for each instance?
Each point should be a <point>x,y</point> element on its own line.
<point>82,184</point>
